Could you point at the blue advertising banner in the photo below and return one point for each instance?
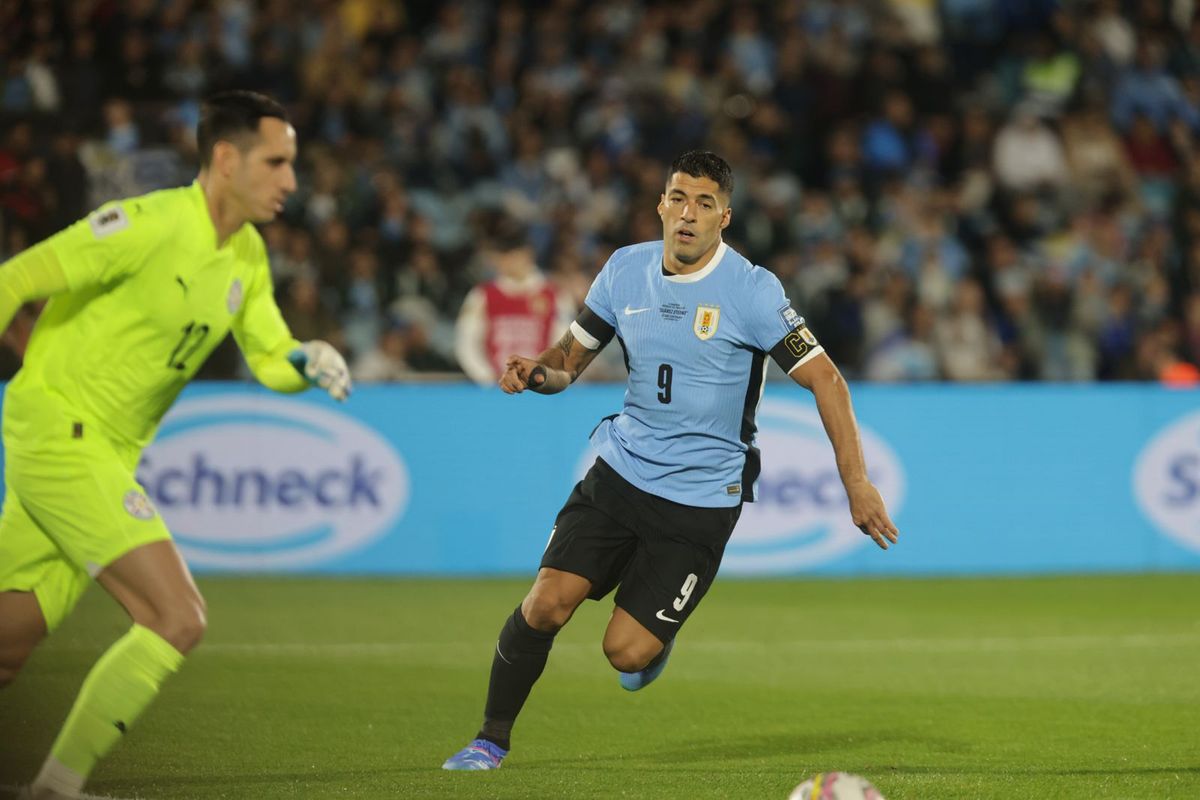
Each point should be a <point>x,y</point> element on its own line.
<point>453,479</point>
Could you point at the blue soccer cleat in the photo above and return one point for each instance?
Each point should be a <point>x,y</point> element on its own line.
<point>479,754</point>
<point>632,681</point>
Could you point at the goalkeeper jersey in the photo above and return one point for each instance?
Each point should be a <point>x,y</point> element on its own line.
<point>149,296</point>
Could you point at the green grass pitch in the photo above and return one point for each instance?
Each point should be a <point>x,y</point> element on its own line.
<point>1077,687</point>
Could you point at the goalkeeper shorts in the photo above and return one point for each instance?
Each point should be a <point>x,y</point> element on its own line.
<point>72,506</point>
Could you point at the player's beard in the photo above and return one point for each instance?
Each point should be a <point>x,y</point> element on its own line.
<point>689,253</point>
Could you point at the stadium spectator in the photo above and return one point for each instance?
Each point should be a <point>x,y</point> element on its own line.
<point>967,345</point>
<point>1146,88</point>
<point>1099,167</point>
<point>419,322</point>
<point>906,354</point>
<point>422,121</point>
<point>306,312</point>
<point>385,360</point>
<point>1028,154</point>
<point>518,311</point>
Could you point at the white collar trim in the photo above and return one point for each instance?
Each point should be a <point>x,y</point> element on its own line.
<point>704,271</point>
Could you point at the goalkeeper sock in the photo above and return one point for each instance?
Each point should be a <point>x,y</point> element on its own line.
<point>521,654</point>
<point>114,694</point>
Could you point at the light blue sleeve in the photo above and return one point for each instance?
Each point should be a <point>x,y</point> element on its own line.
<point>599,297</point>
<point>769,313</point>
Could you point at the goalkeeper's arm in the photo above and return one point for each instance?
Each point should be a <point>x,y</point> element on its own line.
<point>31,275</point>
<point>294,366</point>
<point>273,369</point>
<point>278,360</point>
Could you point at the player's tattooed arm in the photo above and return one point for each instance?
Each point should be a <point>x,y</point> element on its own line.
<point>552,371</point>
<point>559,365</point>
<point>574,357</point>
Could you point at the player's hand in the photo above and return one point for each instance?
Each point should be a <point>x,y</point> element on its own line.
<point>521,373</point>
<point>323,366</point>
<point>870,515</point>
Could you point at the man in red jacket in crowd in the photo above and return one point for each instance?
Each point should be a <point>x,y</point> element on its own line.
<point>518,311</point>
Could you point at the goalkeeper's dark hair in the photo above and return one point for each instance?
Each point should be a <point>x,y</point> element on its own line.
<point>704,164</point>
<point>232,117</point>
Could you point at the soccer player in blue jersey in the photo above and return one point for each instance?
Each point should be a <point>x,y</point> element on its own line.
<point>696,321</point>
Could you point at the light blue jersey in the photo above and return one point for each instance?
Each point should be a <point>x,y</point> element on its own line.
<point>695,346</point>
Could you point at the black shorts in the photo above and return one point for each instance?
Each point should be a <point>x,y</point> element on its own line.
<point>664,555</point>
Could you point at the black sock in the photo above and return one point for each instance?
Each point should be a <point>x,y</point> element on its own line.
<point>497,731</point>
<point>520,657</point>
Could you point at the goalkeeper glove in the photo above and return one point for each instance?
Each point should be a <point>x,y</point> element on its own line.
<point>323,366</point>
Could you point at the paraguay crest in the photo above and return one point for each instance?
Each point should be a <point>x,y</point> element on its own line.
<point>707,318</point>
<point>138,505</point>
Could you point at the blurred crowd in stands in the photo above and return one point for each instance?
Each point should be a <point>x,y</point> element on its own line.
<point>963,190</point>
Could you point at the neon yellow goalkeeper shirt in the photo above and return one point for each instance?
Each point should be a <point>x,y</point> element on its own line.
<point>149,297</point>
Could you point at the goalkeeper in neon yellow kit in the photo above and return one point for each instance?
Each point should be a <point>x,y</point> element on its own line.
<point>140,293</point>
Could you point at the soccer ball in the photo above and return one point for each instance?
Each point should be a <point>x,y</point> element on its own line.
<point>835,786</point>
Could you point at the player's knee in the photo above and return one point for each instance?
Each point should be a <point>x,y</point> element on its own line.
<point>192,625</point>
<point>630,656</point>
<point>11,662</point>
<point>625,659</point>
<point>548,609</point>
<point>183,627</point>
<point>8,673</point>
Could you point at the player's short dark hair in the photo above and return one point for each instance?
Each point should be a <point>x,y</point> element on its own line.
<point>704,164</point>
<point>230,115</point>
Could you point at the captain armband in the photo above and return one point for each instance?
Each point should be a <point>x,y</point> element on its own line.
<point>796,348</point>
<point>590,330</point>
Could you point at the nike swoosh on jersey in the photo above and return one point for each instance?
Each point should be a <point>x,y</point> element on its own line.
<point>629,311</point>
<point>664,617</point>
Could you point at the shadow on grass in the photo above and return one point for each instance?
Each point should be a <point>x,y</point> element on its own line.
<point>324,782</point>
<point>761,746</point>
<point>809,747</point>
<point>146,783</point>
<point>1009,770</point>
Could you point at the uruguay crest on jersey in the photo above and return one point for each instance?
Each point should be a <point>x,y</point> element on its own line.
<point>706,321</point>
